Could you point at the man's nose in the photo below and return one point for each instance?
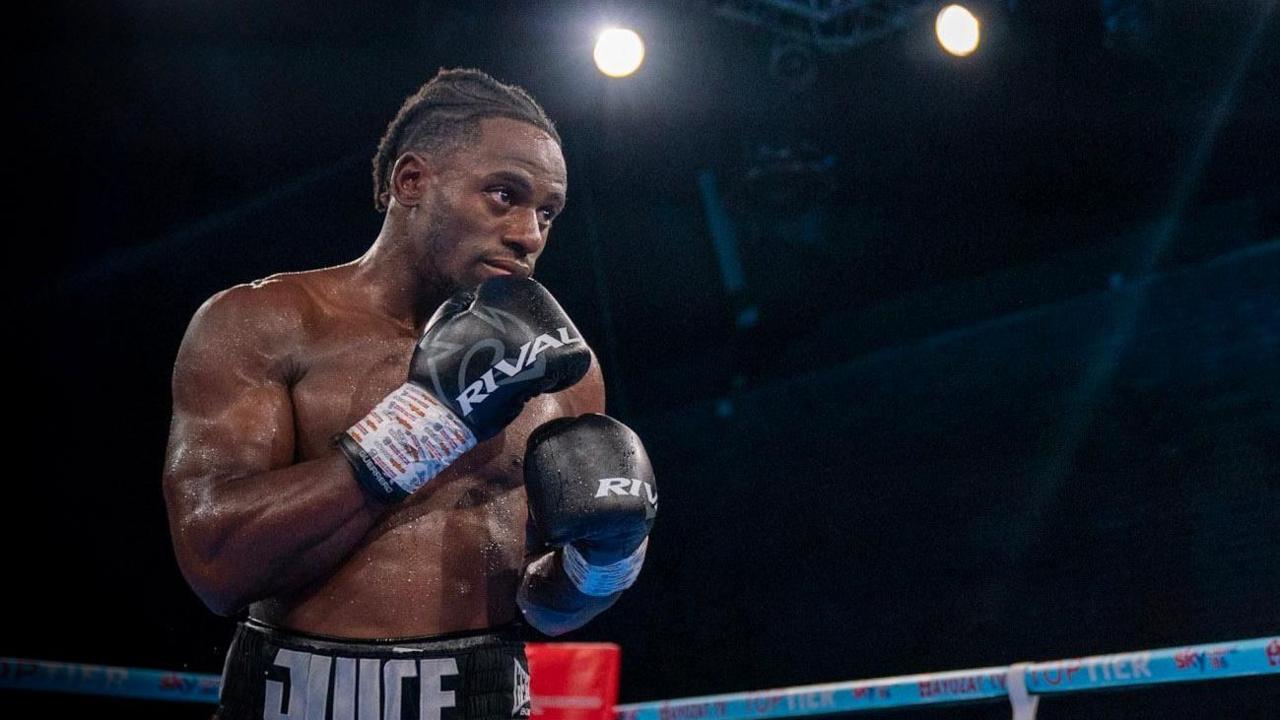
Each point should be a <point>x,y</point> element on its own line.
<point>525,233</point>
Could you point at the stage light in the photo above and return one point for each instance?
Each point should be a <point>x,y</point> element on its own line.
<point>618,52</point>
<point>957,30</point>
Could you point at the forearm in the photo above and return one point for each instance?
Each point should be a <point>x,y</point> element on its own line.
<point>248,538</point>
<point>551,602</point>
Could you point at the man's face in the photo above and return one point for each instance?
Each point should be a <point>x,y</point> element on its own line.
<point>492,203</point>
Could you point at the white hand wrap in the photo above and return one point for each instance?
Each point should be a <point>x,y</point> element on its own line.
<point>411,437</point>
<point>602,580</point>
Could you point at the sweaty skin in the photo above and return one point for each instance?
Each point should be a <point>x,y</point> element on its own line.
<point>266,513</point>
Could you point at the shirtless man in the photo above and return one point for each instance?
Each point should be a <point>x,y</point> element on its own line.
<point>351,447</point>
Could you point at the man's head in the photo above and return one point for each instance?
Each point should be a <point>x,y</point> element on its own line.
<point>475,168</point>
<point>445,114</point>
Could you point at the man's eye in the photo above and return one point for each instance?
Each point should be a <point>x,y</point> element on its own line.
<point>503,195</point>
<point>548,215</point>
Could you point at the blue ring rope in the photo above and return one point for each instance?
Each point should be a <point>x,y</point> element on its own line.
<point>1259,656</point>
<point>21,674</point>
<point>1240,658</point>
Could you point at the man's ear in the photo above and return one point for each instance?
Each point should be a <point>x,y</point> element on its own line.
<point>410,178</point>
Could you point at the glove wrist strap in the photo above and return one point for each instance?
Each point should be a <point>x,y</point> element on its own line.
<point>602,580</point>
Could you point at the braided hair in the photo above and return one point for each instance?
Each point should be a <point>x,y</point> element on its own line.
<point>444,115</point>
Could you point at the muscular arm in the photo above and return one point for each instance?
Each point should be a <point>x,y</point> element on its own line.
<point>553,605</point>
<point>246,523</point>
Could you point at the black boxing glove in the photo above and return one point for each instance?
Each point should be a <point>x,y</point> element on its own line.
<point>591,493</point>
<point>483,355</point>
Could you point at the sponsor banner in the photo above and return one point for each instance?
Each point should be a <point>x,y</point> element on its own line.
<point>19,674</point>
<point>1149,667</point>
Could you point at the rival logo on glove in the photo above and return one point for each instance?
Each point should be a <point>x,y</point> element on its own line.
<point>626,486</point>
<point>479,390</point>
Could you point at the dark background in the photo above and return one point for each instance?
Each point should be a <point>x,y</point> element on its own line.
<point>1001,383</point>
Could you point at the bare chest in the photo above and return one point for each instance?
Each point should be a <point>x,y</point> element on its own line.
<point>343,377</point>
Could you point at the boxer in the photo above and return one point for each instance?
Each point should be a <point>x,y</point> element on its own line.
<point>351,446</point>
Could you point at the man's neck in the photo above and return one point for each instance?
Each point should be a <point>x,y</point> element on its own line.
<point>396,281</point>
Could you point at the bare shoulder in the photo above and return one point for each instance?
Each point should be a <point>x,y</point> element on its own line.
<point>587,395</point>
<point>273,308</point>
<point>279,300</point>
<point>266,320</point>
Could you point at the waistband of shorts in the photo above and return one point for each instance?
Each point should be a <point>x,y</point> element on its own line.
<point>423,646</point>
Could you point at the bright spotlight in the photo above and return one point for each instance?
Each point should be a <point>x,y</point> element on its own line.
<point>957,30</point>
<point>619,52</point>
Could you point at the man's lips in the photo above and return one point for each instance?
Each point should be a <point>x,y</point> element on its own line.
<point>509,267</point>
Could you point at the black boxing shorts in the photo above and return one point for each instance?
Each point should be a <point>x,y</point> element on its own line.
<point>273,674</point>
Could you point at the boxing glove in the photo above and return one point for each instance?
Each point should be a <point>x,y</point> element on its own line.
<point>482,356</point>
<point>591,492</point>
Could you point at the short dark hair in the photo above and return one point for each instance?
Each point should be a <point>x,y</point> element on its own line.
<point>445,114</point>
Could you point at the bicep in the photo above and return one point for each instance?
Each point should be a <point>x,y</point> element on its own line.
<point>232,415</point>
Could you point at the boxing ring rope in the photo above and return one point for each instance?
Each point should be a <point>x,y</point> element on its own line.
<point>120,682</point>
<point>1023,684</point>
